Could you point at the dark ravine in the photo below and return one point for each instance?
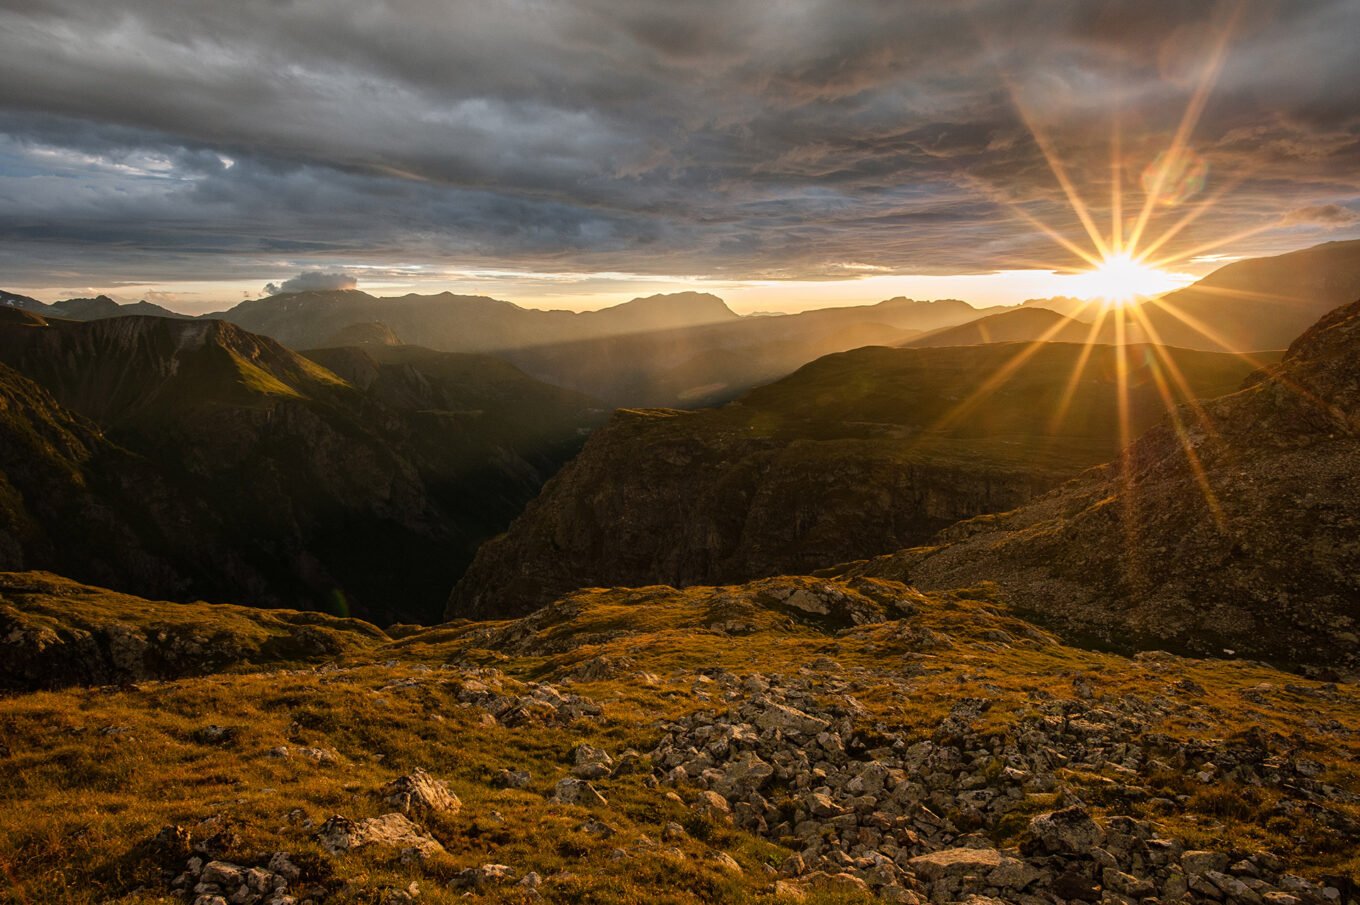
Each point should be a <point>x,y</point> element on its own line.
<point>844,457</point>
<point>1259,556</point>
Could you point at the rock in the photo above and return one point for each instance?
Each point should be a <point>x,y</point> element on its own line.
<point>1280,898</point>
<point>1233,888</point>
<point>214,735</point>
<point>513,779</point>
<point>421,794</point>
<point>790,721</point>
<point>1127,884</point>
<point>789,891</point>
<point>484,876</point>
<point>228,876</point>
<point>1196,862</point>
<point>597,828</point>
<point>591,762</point>
<point>282,864</point>
<point>955,862</point>
<point>727,862</point>
<point>340,834</point>
<point>713,806</point>
<point>838,884</point>
<point>578,792</point>
<point>1070,831</point>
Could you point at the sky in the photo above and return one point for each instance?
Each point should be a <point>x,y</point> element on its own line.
<point>783,154</point>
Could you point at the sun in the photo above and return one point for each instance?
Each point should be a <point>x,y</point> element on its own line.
<point>1121,278</point>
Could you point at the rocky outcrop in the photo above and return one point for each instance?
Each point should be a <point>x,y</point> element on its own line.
<point>55,633</point>
<point>846,458</point>
<point>1234,528</point>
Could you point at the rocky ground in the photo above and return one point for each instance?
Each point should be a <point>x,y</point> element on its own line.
<point>788,740</point>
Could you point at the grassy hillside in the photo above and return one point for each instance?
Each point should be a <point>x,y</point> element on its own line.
<point>978,718</point>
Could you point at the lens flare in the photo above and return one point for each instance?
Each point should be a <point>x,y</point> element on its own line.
<point>1174,177</point>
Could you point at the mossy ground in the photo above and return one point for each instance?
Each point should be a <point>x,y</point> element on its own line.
<point>91,774</point>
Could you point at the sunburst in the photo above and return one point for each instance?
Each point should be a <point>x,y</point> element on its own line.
<point>1127,274</point>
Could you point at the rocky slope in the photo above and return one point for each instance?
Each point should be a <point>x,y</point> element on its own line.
<point>1240,532</point>
<point>787,740</point>
<point>854,453</point>
<point>273,480</point>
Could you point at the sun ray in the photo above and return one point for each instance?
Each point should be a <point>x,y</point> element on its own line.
<point>1161,350</point>
<point>1070,390</point>
<point>1206,331</point>
<point>1059,171</point>
<point>1116,189</point>
<point>999,377</point>
<point>1210,246</point>
<point>1194,214</point>
<point>1193,110</point>
<point>1034,221</point>
<point>1128,510</point>
<point>1191,456</point>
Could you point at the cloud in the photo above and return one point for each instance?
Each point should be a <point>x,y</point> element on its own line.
<point>1326,215</point>
<point>313,281</point>
<point>221,141</point>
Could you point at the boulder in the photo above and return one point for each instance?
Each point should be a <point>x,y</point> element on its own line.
<point>1070,831</point>
<point>340,834</point>
<point>420,793</point>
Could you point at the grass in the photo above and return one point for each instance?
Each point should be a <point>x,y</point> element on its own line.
<point>94,773</point>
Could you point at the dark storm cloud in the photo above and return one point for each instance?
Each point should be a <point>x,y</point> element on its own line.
<point>739,138</point>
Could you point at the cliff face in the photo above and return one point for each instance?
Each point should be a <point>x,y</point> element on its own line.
<point>844,459</point>
<point>1252,544</point>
